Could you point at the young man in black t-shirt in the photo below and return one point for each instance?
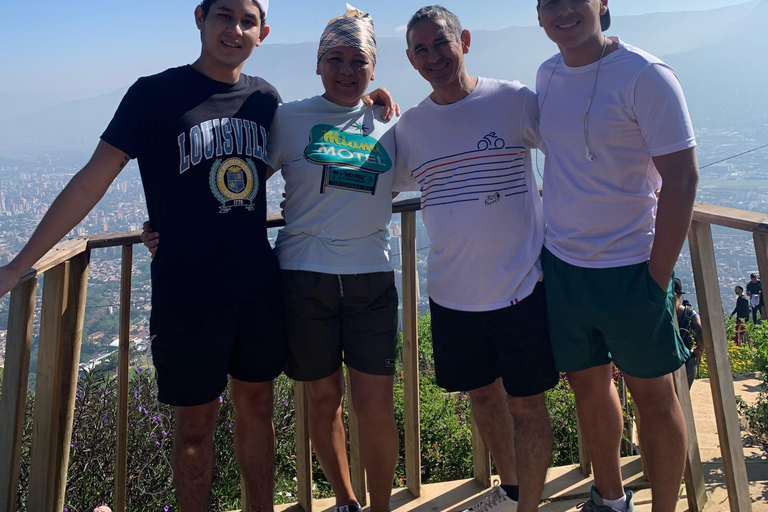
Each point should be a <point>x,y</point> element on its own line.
<point>742,314</point>
<point>199,133</point>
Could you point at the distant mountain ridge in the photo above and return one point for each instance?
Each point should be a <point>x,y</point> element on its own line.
<point>718,54</point>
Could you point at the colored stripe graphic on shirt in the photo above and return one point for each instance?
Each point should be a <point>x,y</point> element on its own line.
<point>483,172</point>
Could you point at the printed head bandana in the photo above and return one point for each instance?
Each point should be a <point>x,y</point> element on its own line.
<point>354,29</point>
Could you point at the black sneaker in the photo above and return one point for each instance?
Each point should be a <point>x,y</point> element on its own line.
<point>352,507</point>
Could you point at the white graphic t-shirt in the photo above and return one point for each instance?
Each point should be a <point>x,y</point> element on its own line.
<point>471,161</point>
<point>337,163</point>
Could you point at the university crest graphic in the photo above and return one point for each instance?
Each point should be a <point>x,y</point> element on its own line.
<point>234,183</point>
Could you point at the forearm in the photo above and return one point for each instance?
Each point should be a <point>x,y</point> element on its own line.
<point>675,210</point>
<point>69,208</point>
<point>80,195</point>
<point>673,220</point>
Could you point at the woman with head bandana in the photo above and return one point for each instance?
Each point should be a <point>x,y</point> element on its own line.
<point>337,157</point>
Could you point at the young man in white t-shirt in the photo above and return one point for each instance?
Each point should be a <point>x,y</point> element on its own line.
<point>616,128</point>
<point>467,147</point>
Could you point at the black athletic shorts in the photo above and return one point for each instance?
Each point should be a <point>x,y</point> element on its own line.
<point>332,317</point>
<point>473,349</point>
<point>195,349</point>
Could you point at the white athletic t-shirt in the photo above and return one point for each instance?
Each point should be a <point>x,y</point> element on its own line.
<point>480,203</point>
<point>602,213</point>
<point>332,158</point>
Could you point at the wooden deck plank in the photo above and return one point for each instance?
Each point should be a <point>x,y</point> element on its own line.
<point>563,482</point>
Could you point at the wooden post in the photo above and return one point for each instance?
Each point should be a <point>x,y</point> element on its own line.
<point>121,451</point>
<point>411,356</point>
<point>13,403</point>
<point>481,456</point>
<point>761,252</point>
<point>585,461</point>
<point>356,467</point>
<point>303,448</point>
<point>45,467</point>
<point>693,477</point>
<point>721,380</point>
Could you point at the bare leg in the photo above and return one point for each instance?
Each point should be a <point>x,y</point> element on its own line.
<point>379,442</point>
<point>534,447</point>
<point>495,422</point>
<point>192,456</point>
<point>599,411</point>
<point>663,437</point>
<point>255,442</point>
<point>326,430</point>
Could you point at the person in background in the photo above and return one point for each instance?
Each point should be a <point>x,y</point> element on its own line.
<point>742,314</point>
<point>688,320</point>
<point>756,301</point>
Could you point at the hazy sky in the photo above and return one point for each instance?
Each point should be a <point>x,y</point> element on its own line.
<point>95,46</point>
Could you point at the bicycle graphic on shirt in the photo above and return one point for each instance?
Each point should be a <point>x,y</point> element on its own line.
<point>490,141</point>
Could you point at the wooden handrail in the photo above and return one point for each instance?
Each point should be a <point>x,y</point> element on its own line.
<point>58,360</point>
<point>703,212</point>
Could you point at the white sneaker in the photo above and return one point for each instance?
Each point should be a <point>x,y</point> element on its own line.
<point>495,501</point>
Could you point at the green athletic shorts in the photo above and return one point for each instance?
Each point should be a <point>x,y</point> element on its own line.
<point>620,314</point>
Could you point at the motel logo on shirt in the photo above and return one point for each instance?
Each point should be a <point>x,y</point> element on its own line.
<point>351,161</point>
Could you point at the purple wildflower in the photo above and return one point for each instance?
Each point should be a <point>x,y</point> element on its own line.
<point>285,403</point>
<point>221,399</point>
<point>141,409</point>
<point>165,433</point>
<point>157,443</point>
<point>138,369</point>
<point>165,508</point>
<point>106,420</point>
<point>135,394</point>
<point>149,369</point>
<point>152,434</point>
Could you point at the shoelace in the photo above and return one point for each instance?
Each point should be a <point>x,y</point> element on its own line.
<point>488,502</point>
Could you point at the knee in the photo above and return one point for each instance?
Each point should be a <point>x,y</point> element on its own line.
<point>195,425</point>
<point>487,397</point>
<point>373,407</point>
<point>659,407</point>
<point>253,403</point>
<point>528,408</point>
<point>325,399</point>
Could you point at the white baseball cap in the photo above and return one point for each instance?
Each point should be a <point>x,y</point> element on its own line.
<point>264,6</point>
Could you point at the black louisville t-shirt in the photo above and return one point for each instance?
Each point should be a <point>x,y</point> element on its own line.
<point>201,147</point>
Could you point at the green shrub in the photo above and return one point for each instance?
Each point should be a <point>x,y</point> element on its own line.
<point>446,440</point>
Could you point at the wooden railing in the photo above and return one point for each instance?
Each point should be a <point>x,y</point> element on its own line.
<point>61,325</point>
